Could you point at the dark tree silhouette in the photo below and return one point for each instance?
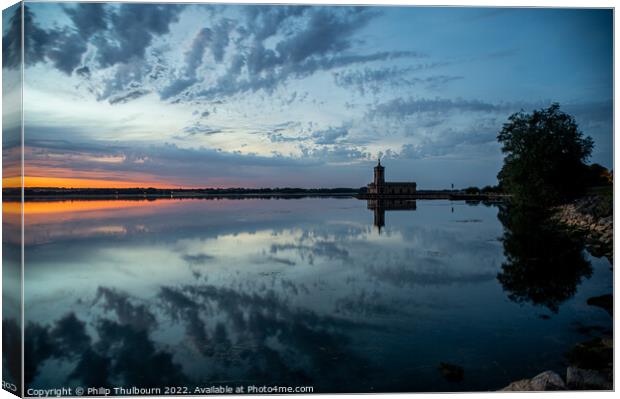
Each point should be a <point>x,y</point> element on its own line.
<point>544,156</point>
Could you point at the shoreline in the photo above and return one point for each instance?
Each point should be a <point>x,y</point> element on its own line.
<point>152,197</point>
<point>160,194</point>
<point>592,217</point>
<point>590,362</point>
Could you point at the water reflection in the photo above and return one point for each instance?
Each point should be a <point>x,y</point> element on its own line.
<point>544,264</point>
<point>280,292</point>
<point>379,206</point>
<point>123,352</point>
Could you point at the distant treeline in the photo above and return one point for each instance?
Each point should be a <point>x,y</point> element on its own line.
<point>48,192</point>
<point>54,191</point>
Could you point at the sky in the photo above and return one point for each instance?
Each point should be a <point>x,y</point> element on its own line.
<point>199,95</point>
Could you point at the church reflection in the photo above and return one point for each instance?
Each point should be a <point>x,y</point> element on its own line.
<point>380,205</point>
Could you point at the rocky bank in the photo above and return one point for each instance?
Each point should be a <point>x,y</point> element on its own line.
<point>591,216</point>
<point>590,368</point>
<point>590,363</point>
<point>576,379</point>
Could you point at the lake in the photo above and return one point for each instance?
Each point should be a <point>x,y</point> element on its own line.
<point>320,292</point>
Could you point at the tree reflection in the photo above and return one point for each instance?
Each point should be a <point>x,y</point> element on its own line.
<point>544,263</point>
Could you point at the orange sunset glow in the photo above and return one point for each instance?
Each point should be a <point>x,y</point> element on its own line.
<point>61,182</point>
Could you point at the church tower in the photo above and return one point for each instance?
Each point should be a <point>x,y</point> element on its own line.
<point>379,175</point>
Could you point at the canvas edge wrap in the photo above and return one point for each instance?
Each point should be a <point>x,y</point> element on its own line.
<point>12,201</point>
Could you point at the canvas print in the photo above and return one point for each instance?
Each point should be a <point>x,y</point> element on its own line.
<point>305,199</point>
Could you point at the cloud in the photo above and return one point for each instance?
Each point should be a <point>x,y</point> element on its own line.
<point>262,49</point>
<point>124,98</point>
<point>326,32</point>
<point>198,128</point>
<point>279,72</point>
<point>117,33</point>
<point>280,138</point>
<point>452,141</point>
<point>330,135</point>
<point>336,153</point>
<point>216,40</point>
<point>132,28</point>
<point>64,47</point>
<point>11,40</point>
<point>400,108</point>
<point>160,162</point>
<point>594,118</point>
<point>305,40</point>
<point>369,80</point>
<point>83,72</point>
<point>88,18</point>
<point>70,146</point>
<point>264,22</point>
<point>176,86</point>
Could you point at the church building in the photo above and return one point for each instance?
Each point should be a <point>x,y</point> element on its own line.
<point>380,188</point>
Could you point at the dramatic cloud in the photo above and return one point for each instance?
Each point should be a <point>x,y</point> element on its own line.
<point>320,44</point>
<point>119,33</point>
<point>134,26</point>
<point>269,46</point>
<point>215,40</point>
<point>11,38</point>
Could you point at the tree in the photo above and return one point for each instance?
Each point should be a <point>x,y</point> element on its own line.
<point>472,190</point>
<point>544,156</point>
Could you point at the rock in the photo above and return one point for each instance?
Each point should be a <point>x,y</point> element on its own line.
<point>596,354</point>
<point>518,386</point>
<point>577,378</point>
<point>452,372</point>
<point>545,381</point>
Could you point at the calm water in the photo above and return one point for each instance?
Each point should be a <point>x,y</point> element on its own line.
<point>299,292</point>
